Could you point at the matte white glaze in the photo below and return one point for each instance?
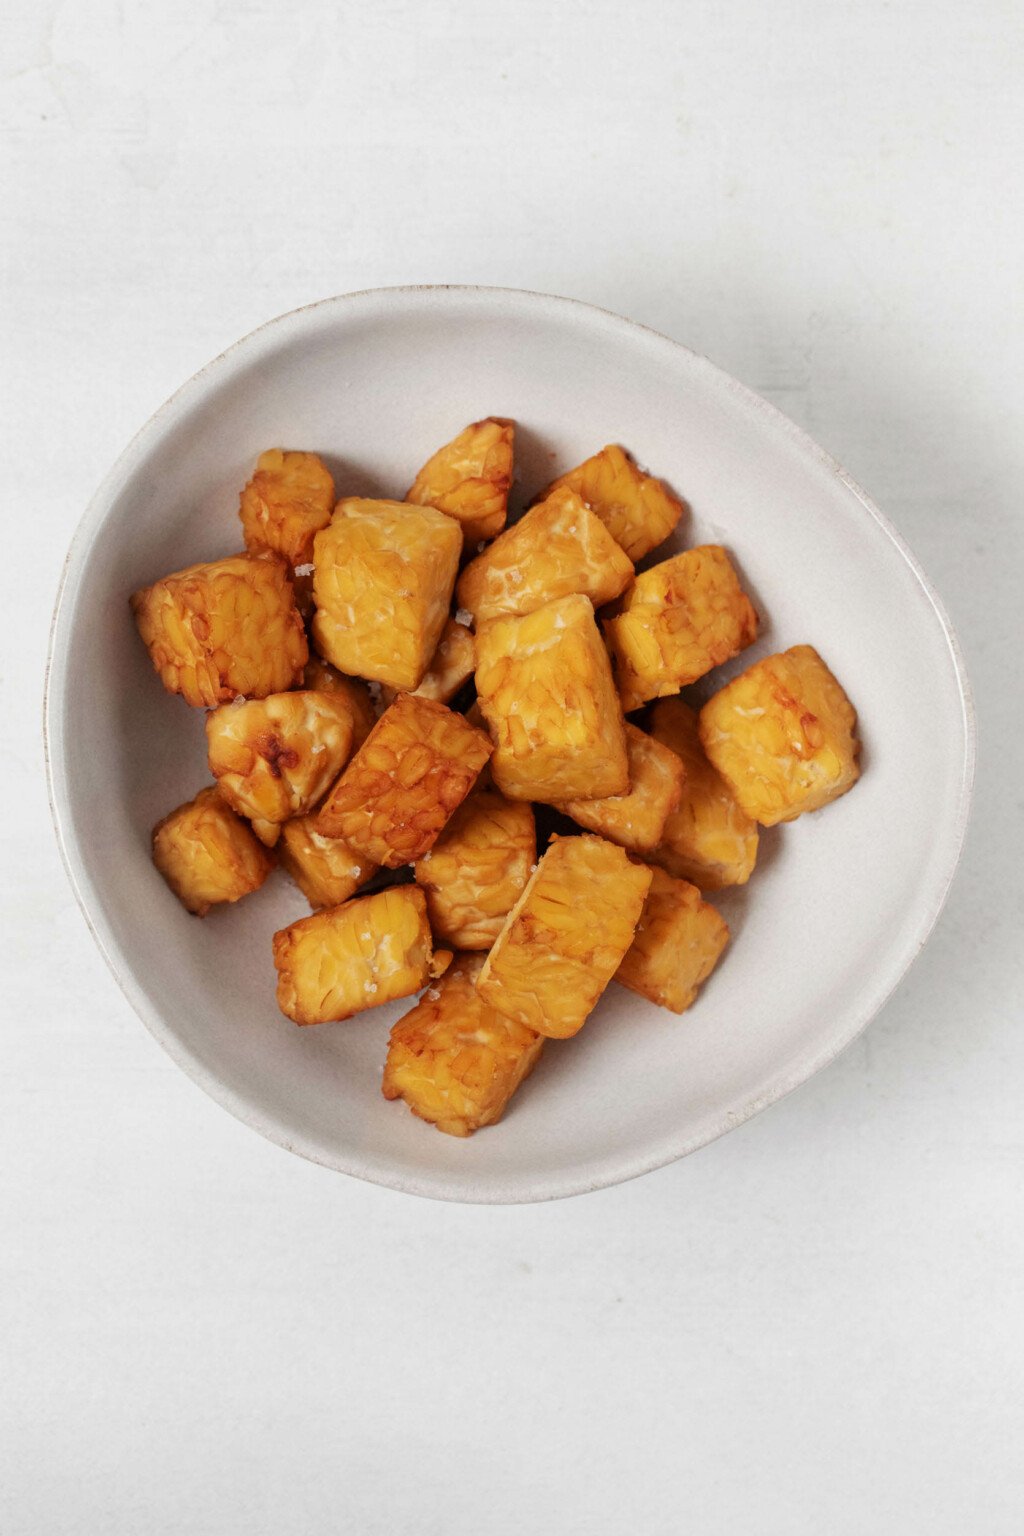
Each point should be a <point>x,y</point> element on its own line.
<point>842,901</point>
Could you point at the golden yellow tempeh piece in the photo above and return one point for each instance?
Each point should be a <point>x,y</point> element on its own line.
<point>207,854</point>
<point>323,678</point>
<point>679,939</point>
<point>268,832</point>
<point>545,687</point>
<point>370,950</point>
<point>478,869</point>
<point>782,734</point>
<point>677,621</point>
<point>414,769</point>
<point>635,820</point>
<point>455,1061</point>
<point>273,758</point>
<point>382,583</point>
<point>469,478</point>
<point>559,547</point>
<point>566,936</point>
<point>326,869</point>
<point>225,629</point>
<point>451,666</point>
<point>707,839</point>
<point>638,511</point>
<point>287,501</point>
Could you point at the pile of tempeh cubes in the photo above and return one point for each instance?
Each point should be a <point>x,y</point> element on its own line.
<point>348,744</point>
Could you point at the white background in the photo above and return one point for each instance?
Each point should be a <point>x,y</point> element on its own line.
<point>815,1325</point>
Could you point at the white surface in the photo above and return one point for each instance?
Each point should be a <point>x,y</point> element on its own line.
<point>352,377</point>
<point>813,1325</point>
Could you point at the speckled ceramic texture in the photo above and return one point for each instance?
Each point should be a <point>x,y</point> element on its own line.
<point>841,902</point>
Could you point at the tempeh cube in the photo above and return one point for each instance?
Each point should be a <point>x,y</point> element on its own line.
<point>414,769</point>
<point>707,839</point>
<point>478,868</point>
<point>635,820</point>
<point>327,870</point>
<point>323,678</point>
<point>207,854</point>
<point>451,666</point>
<point>677,621</point>
<point>469,478</point>
<point>558,548</point>
<point>370,950</point>
<point>382,583</point>
<point>566,935</point>
<point>783,735</point>
<point>287,501</point>
<point>638,511</point>
<point>273,758</point>
<point>223,629</point>
<point>545,687</point>
<point>455,1061</point>
<point>679,939</point>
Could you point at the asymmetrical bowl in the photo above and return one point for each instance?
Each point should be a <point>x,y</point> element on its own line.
<point>842,901</point>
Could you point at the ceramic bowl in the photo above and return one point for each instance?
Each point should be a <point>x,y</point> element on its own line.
<point>841,902</point>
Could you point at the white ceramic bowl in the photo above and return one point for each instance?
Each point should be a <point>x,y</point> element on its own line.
<point>841,901</point>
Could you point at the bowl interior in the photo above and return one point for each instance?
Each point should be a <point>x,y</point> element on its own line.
<point>840,902</point>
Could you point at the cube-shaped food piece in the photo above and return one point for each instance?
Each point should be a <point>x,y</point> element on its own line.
<point>565,937</point>
<point>414,769</point>
<point>224,629</point>
<point>382,583</point>
<point>326,869</point>
<point>321,677</point>
<point>207,854</point>
<point>455,1061</point>
<point>677,621</point>
<point>451,666</point>
<point>478,869</point>
<point>287,501</point>
<point>545,687</point>
<point>679,939</point>
<point>469,478</point>
<point>638,511</point>
<point>707,839</point>
<point>370,950</point>
<point>558,548</point>
<point>273,758</point>
<point>637,819</point>
<point>783,735</point>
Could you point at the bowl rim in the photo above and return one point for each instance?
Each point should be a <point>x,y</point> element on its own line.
<point>615,1169</point>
